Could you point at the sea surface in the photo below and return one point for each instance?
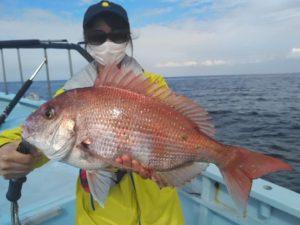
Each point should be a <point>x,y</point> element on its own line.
<point>260,112</point>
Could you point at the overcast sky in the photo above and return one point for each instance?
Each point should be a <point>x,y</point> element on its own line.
<point>172,37</point>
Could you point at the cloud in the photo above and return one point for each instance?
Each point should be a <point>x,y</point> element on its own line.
<point>188,3</point>
<point>194,2</point>
<point>86,1</point>
<point>157,11</point>
<point>247,37</point>
<point>294,53</point>
<point>40,23</point>
<point>296,50</point>
<point>177,64</point>
<point>191,63</point>
<point>44,25</point>
<point>214,62</point>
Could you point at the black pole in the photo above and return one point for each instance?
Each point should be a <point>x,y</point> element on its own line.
<point>15,187</point>
<point>19,95</point>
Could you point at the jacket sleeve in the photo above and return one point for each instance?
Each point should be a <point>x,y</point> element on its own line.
<point>9,136</point>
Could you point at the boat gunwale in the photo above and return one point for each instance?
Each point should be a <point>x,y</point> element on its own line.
<point>276,197</point>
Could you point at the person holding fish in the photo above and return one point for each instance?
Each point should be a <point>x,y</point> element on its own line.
<point>117,116</point>
<point>121,197</point>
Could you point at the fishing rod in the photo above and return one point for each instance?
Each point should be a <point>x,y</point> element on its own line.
<point>15,185</point>
<point>19,95</point>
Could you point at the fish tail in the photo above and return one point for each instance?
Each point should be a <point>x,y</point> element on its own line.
<point>243,167</point>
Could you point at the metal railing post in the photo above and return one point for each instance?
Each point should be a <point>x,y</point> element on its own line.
<point>4,72</point>
<point>47,74</point>
<point>20,65</point>
<point>70,63</point>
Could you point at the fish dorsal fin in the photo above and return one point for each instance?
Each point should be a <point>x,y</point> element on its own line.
<point>193,111</point>
<point>123,78</point>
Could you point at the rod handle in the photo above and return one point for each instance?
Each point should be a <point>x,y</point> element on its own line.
<point>15,185</point>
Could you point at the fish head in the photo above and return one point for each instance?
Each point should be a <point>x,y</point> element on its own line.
<point>51,128</point>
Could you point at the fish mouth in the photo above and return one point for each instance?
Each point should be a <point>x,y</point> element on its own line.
<point>27,131</point>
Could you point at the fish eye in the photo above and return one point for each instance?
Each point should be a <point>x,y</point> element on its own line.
<point>49,113</point>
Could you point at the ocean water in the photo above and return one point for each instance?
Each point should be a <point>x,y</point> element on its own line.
<point>260,112</point>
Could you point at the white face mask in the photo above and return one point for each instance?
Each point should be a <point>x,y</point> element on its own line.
<point>108,52</point>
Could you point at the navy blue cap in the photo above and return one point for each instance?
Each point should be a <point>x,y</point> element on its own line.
<point>104,7</point>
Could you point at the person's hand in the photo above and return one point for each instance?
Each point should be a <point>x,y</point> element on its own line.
<point>14,164</point>
<point>128,162</point>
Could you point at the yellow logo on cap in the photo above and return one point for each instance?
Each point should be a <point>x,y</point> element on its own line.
<point>105,4</point>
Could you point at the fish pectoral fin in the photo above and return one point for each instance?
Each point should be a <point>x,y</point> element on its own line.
<point>110,168</point>
<point>179,176</point>
<point>87,141</point>
<point>100,183</point>
<point>84,144</point>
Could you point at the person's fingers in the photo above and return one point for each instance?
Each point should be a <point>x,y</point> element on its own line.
<point>135,166</point>
<point>144,173</point>
<point>14,164</point>
<point>126,161</point>
<point>10,146</point>
<point>7,149</point>
<point>138,168</point>
<point>119,160</point>
<point>21,158</point>
<point>10,166</point>
<point>15,175</point>
<point>9,153</point>
<point>13,172</point>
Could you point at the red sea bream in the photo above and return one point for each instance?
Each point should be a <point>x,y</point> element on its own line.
<point>126,113</point>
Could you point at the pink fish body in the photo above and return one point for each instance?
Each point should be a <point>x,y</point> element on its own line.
<point>125,113</point>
